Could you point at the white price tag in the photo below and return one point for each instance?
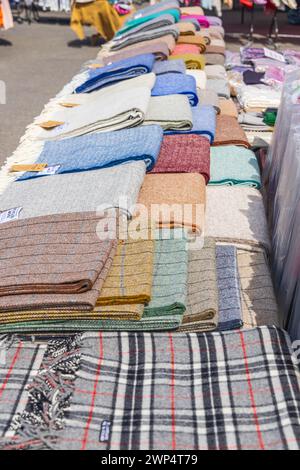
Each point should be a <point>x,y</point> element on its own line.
<point>50,170</point>
<point>10,215</point>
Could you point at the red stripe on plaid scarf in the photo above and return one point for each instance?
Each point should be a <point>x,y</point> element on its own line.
<point>173,393</point>
<point>253,404</point>
<point>90,416</point>
<point>11,367</point>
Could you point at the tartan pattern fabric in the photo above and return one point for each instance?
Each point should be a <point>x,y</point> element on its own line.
<point>19,363</point>
<point>233,390</point>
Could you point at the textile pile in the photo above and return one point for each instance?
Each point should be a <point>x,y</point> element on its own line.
<point>134,247</point>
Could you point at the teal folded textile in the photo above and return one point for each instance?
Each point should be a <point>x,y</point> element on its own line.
<point>122,70</point>
<point>204,122</point>
<point>164,312</point>
<point>166,66</point>
<point>232,165</point>
<point>96,151</point>
<point>132,23</point>
<point>176,84</point>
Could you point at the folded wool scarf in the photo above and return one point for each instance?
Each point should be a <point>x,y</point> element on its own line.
<point>220,86</point>
<point>192,10</point>
<point>169,66</point>
<point>130,277</point>
<point>134,22</point>
<point>115,187</point>
<point>159,47</point>
<point>204,123</point>
<point>167,377</point>
<point>209,98</point>
<point>171,112</point>
<point>257,293</point>
<point>192,61</point>
<point>233,165</point>
<point>217,46</point>
<point>51,254</point>
<point>124,106</point>
<point>183,49</point>
<point>164,312</point>
<point>236,215</point>
<point>229,132</point>
<point>176,84</point>
<point>215,71</point>
<point>192,21</point>
<point>200,77</point>
<point>217,32</point>
<point>202,295</point>
<point>54,291</point>
<point>196,40</point>
<point>214,20</point>
<point>228,108</point>
<point>214,59</point>
<point>123,70</point>
<point>118,44</point>
<point>96,151</point>
<point>184,154</point>
<point>156,23</point>
<point>186,28</point>
<point>230,309</point>
<point>174,200</point>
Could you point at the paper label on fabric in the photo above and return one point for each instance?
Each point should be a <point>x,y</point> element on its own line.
<point>32,167</point>
<point>69,105</point>
<point>10,214</point>
<point>105,431</point>
<point>274,55</point>
<point>95,66</point>
<point>50,124</point>
<point>50,170</point>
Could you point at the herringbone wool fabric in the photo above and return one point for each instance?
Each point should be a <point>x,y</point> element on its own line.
<point>59,254</point>
<point>235,390</point>
<point>184,154</point>
<point>202,297</point>
<point>259,305</point>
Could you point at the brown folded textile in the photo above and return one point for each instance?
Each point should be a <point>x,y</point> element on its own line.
<point>60,254</point>
<point>259,305</point>
<point>195,40</point>
<point>186,28</point>
<point>184,154</point>
<point>217,46</point>
<point>183,196</point>
<point>202,294</point>
<point>229,132</point>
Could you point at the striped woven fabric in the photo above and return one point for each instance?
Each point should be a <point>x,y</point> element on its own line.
<point>202,298</point>
<point>19,363</point>
<point>59,262</point>
<point>235,390</point>
<point>259,305</point>
<point>164,312</point>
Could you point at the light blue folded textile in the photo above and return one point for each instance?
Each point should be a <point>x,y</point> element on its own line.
<point>103,150</point>
<point>232,165</point>
<point>123,70</point>
<point>230,309</point>
<point>169,66</point>
<point>176,84</point>
<point>220,86</point>
<point>204,122</point>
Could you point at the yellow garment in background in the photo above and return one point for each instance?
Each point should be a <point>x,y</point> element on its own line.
<point>99,14</point>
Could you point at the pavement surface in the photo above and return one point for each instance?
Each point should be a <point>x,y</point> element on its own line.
<point>37,60</point>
